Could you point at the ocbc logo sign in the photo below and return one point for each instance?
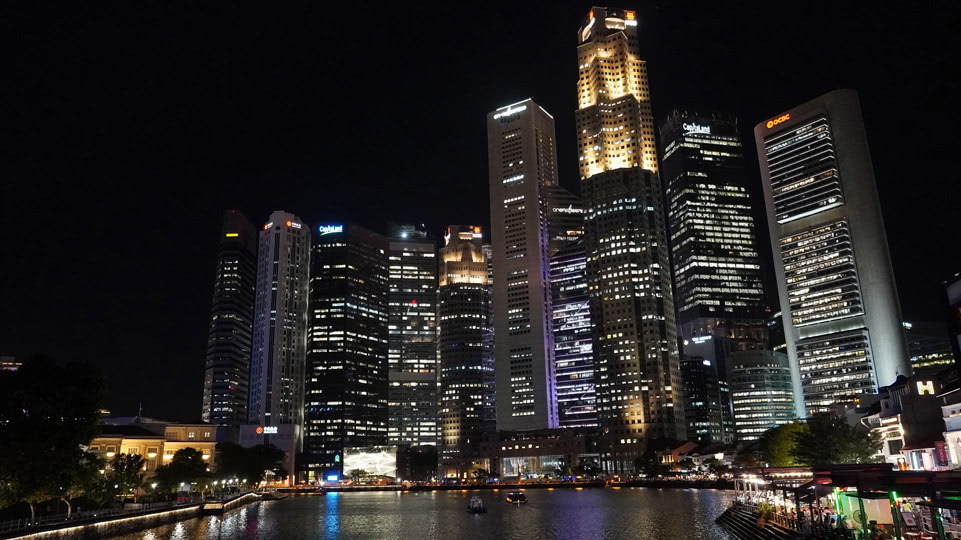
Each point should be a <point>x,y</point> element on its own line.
<point>778,120</point>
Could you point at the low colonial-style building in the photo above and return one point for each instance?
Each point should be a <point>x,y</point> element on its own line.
<point>156,440</point>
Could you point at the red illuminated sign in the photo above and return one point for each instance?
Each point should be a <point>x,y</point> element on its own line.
<point>259,430</point>
<point>778,120</point>
<point>630,15</point>
<point>288,224</point>
<point>591,15</point>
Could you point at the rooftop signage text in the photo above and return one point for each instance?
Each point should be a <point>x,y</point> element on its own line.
<point>778,120</point>
<point>696,128</point>
<point>330,229</point>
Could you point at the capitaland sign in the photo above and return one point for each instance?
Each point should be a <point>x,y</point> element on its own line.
<point>266,430</point>
<point>696,128</point>
<point>509,110</point>
<point>330,229</point>
<point>778,120</point>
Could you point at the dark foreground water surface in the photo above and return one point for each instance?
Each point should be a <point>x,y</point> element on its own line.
<point>608,514</point>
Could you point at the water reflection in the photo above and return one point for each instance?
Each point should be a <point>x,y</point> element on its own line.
<point>331,515</point>
<point>635,514</point>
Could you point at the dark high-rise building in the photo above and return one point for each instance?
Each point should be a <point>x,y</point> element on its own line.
<point>346,404</point>
<point>702,400</point>
<point>717,268</point>
<point>928,345</point>
<point>761,392</point>
<point>280,325</point>
<point>412,337</point>
<point>465,350</point>
<point>230,331</point>
<point>573,340</point>
<point>522,165</point>
<point>842,318</point>
<point>637,369</point>
<point>712,353</point>
<point>565,217</point>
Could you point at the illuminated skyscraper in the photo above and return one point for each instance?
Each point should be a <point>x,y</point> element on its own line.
<point>522,164</point>
<point>227,371</point>
<point>573,340</point>
<point>565,217</point>
<point>637,371</point>
<point>347,347</point>
<point>761,392</point>
<point>280,324</point>
<point>465,350</point>
<point>412,341</point>
<point>717,268</point>
<point>615,126</point>
<point>842,318</point>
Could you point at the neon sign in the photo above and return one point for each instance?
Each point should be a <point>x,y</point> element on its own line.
<point>266,430</point>
<point>696,128</point>
<point>778,120</point>
<point>926,387</point>
<point>330,229</point>
<point>509,111</point>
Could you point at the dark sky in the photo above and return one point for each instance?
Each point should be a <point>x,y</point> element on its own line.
<point>131,126</point>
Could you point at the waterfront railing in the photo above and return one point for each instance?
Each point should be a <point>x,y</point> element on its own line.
<point>86,516</point>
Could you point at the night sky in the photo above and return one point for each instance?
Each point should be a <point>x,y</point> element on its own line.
<point>131,126</point>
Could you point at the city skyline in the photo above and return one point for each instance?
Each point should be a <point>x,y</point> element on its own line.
<point>179,299</point>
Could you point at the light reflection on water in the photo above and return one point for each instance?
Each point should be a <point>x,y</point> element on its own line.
<point>644,514</point>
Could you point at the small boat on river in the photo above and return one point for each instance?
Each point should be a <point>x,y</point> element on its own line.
<point>476,506</point>
<point>516,497</point>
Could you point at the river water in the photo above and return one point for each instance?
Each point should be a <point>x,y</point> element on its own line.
<point>603,514</point>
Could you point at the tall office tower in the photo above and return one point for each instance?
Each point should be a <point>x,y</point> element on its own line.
<point>842,318</point>
<point>573,342</point>
<point>637,371</point>
<point>522,164</point>
<point>465,350</point>
<point>227,371</point>
<point>717,267</point>
<point>565,217</point>
<point>347,346</point>
<point>702,400</point>
<point>412,337</point>
<point>761,391</point>
<point>280,325</point>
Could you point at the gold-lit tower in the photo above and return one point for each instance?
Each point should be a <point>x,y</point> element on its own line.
<point>636,362</point>
<point>615,126</point>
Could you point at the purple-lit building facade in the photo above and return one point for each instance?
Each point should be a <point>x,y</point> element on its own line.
<point>522,164</point>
